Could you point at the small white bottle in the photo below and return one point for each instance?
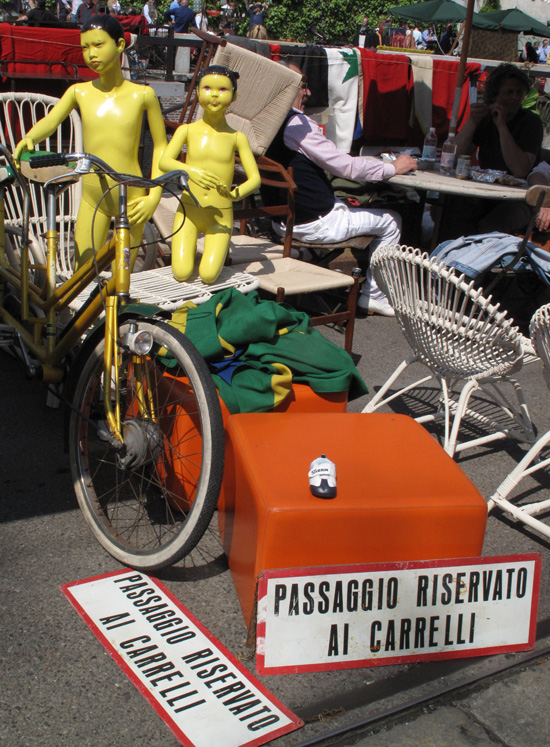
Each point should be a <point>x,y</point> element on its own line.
<point>448,154</point>
<point>322,477</point>
<point>430,146</point>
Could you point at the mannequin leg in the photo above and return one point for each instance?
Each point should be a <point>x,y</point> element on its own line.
<point>136,234</point>
<point>85,242</point>
<point>184,248</point>
<point>216,247</point>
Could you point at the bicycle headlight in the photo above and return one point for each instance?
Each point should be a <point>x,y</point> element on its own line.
<point>139,342</point>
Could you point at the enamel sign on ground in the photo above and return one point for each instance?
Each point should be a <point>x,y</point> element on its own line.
<point>369,615</point>
<point>197,687</point>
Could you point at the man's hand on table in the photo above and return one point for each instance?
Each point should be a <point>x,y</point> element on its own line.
<point>403,164</point>
<point>543,219</point>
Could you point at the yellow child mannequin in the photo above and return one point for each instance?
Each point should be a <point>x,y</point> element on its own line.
<point>111,109</point>
<point>210,162</point>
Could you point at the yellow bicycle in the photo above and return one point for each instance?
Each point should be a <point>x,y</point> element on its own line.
<point>144,425</point>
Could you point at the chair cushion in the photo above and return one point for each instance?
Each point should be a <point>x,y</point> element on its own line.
<point>295,276</point>
<point>246,249</point>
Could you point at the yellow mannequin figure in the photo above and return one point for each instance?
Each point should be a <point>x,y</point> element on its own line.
<point>111,109</point>
<point>210,162</point>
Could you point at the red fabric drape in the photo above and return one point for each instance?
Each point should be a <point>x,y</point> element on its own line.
<point>47,45</point>
<point>445,73</point>
<point>386,88</point>
<point>135,24</point>
<point>387,101</point>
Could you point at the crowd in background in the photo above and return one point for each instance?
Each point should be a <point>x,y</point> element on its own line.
<point>385,31</point>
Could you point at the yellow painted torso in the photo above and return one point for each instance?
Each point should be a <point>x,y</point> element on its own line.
<point>110,131</point>
<point>213,151</point>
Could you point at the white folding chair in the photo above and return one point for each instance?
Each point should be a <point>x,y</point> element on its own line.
<point>531,462</point>
<point>467,344</point>
<point>20,112</point>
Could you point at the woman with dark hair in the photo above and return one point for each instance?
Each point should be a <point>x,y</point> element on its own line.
<point>506,137</point>
<point>111,109</point>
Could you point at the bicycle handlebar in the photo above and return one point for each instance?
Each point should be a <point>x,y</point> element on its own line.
<point>86,161</point>
<point>47,159</point>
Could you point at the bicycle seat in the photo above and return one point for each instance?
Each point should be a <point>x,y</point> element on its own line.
<point>44,174</point>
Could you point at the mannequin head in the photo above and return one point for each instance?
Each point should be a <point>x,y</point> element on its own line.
<point>106,22</point>
<point>220,70</point>
<point>101,43</point>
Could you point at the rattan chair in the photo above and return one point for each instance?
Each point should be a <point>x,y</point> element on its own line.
<point>532,461</point>
<point>20,112</point>
<point>468,345</point>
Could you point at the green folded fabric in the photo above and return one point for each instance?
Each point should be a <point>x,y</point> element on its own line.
<point>256,348</point>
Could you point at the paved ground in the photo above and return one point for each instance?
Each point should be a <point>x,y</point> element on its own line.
<point>59,688</point>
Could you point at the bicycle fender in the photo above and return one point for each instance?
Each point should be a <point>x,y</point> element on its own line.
<point>96,334</point>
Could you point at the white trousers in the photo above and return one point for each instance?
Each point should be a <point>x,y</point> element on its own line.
<point>344,222</point>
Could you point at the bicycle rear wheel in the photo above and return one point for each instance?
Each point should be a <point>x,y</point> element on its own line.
<point>150,502</point>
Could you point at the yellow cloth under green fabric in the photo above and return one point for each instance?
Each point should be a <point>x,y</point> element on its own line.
<point>275,345</point>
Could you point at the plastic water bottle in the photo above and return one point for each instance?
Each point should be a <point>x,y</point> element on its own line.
<point>448,154</point>
<point>430,146</point>
<point>322,477</point>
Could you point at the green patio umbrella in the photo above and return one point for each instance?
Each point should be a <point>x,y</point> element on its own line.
<point>438,11</point>
<point>515,20</point>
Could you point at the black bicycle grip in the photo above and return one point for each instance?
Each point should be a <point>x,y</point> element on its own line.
<point>46,159</point>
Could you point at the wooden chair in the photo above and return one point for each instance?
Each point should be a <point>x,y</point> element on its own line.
<point>277,272</point>
<point>324,254</point>
<point>282,275</point>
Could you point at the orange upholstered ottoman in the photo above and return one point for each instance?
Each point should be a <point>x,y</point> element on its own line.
<point>302,398</point>
<point>399,495</point>
<point>185,431</point>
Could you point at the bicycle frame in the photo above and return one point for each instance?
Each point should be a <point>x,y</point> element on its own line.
<point>51,352</point>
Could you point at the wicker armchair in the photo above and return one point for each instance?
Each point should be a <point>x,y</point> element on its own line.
<point>467,344</point>
<point>532,461</point>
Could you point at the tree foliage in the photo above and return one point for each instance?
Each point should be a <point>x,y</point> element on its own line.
<point>490,5</point>
<point>336,21</point>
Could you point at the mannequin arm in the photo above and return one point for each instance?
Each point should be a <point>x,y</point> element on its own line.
<point>169,161</point>
<point>253,179</point>
<point>141,209</point>
<point>47,125</point>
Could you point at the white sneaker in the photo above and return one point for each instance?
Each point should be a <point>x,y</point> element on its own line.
<point>374,306</point>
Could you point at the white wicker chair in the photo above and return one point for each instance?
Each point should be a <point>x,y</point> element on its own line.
<point>20,112</point>
<point>466,343</point>
<point>531,462</point>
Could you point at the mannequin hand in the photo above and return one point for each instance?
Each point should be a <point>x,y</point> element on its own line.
<point>23,146</point>
<point>403,164</point>
<point>204,179</point>
<point>224,191</point>
<point>141,209</point>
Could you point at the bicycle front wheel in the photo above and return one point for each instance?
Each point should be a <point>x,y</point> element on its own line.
<point>149,502</point>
